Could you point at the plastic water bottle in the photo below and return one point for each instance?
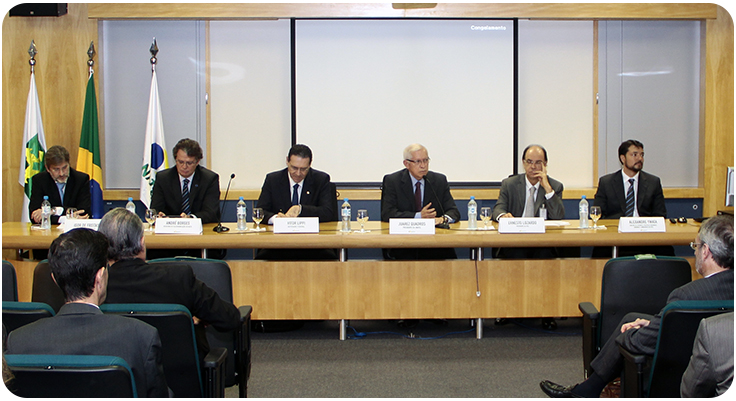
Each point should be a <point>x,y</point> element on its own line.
<point>472,213</point>
<point>583,209</point>
<point>346,214</point>
<point>241,210</point>
<point>46,213</point>
<point>130,205</point>
<point>543,212</point>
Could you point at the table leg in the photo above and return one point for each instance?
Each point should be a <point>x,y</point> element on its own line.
<point>614,254</point>
<point>204,253</point>
<point>343,329</point>
<point>479,328</point>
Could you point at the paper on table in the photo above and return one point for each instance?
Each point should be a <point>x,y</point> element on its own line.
<point>556,223</point>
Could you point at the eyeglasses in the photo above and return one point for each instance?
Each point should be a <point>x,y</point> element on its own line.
<point>695,245</point>
<point>419,161</point>
<point>536,163</point>
<point>185,163</point>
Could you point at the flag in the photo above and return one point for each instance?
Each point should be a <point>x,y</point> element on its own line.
<point>88,160</point>
<point>154,149</point>
<point>34,146</point>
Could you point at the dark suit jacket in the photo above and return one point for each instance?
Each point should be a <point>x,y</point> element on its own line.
<point>611,196</point>
<point>397,196</point>
<point>512,198</point>
<point>76,193</point>
<point>318,199</point>
<point>135,281</point>
<point>710,372</point>
<point>204,194</point>
<point>82,329</point>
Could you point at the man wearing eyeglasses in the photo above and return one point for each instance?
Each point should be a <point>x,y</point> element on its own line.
<point>416,192</point>
<point>188,189</point>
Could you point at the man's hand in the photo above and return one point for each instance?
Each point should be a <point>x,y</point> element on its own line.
<point>36,216</point>
<point>505,215</point>
<point>636,324</point>
<point>80,214</point>
<point>428,212</point>
<point>543,180</point>
<point>293,211</point>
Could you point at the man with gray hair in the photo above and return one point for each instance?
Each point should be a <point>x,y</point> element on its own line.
<point>132,280</point>
<point>64,186</point>
<point>638,332</point>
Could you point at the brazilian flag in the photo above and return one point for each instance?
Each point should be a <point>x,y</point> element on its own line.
<point>88,160</point>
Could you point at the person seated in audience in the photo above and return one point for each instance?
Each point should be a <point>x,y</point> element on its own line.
<point>710,371</point>
<point>638,332</point>
<point>79,263</point>
<point>132,280</point>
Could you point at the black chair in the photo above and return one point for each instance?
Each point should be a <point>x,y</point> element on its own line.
<point>44,287</point>
<point>629,285</point>
<point>70,376</point>
<point>216,274</point>
<point>660,376</point>
<point>17,314</point>
<point>10,282</point>
<point>180,359</point>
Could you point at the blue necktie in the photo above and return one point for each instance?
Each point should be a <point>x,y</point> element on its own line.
<point>62,187</point>
<point>295,196</point>
<point>630,199</point>
<point>185,197</point>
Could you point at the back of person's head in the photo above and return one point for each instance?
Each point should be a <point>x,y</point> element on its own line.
<point>190,147</point>
<point>124,230</point>
<point>75,258</point>
<point>56,155</point>
<point>300,150</point>
<point>413,148</point>
<point>717,233</point>
<point>623,149</point>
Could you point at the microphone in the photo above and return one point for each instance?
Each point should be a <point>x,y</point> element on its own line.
<point>219,228</point>
<point>439,201</point>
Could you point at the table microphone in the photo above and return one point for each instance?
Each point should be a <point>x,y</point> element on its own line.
<point>219,228</point>
<point>439,201</point>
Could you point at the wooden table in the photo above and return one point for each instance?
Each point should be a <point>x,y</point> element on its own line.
<point>378,289</point>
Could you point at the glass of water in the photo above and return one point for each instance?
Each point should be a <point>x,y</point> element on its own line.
<point>485,215</point>
<point>595,214</point>
<point>258,217</point>
<point>151,215</point>
<point>362,219</point>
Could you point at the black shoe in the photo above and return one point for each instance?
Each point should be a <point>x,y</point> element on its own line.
<point>500,321</point>
<point>407,323</point>
<point>554,390</point>
<point>548,323</point>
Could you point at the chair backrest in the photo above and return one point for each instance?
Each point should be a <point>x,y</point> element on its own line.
<point>176,330</point>
<point>78,376</point>
<point>10,282</point>
<point>44,287</point>
<point>631,285</point>
<point>17,314</point>
<point>680,321</point>
<point>333,190</point>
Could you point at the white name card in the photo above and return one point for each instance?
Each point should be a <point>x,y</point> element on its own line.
<point>71,224</point>
<point>290,225</point>
<point>411,226</point>
<point>533,225</point>
<point>174,225</point>
<point>641,225</point>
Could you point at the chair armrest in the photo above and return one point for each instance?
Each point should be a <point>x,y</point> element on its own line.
<point>590,334</point>
<point>214,373</point>
<point>242,351</point>
<point>589,310</point>
<point>635,375</point>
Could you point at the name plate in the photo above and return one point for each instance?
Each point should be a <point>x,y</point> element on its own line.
<point>641,225</point>
<point>71,224</point>
<point>411,226</point>
<point>515,225</point>
<point>173,225</point>
<point>290,225</point>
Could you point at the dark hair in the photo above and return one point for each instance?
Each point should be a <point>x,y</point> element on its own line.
<point>190,147</point>
<point>717,233</point>
<point>124,231</point>
<point>75,258</point>
<point>55,156</point>
<point>302,151</point>
<point>624,147</point>
<point>523,154</point>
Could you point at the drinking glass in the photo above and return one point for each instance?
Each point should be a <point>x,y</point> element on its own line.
<point>485,215</point>
<point>71,213</point>
<point>151,215</point>
<point>595,214</point>
<point>362,219</point>
<point>258,217</point>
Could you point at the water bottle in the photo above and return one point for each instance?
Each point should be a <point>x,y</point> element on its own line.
<point>346,212</point>
<point>241,210</point>
<point>45,213</point>
<point>543,212</point>
<point>472,214</point>
<point>130,205</point>
<point>583,209</point>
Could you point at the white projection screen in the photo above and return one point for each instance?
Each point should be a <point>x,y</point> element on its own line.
<point>367,88</point>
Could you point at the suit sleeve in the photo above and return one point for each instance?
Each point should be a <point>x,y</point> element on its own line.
<point>448,203</point>
<point>158,201</point>
<point>209,211</point>
<point>502,204</point>
<point>390,201</point>
<point>265,200</point>
<point>658,206</point>
<point>699,379</point>
<point>154,369</point>
<point>555,208</point>
<point>601,199</point>
<point>36,196</point>
<point>325,208</point>
<point>83,199</point>
<point>210,308</point>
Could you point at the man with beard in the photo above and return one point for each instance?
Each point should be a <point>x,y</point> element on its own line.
<point>63,185</point>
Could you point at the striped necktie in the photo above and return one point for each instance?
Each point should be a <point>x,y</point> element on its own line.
<point>185,207</point>
<point>630,199</point>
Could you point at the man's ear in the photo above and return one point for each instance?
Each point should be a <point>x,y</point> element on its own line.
<point>622,159</point>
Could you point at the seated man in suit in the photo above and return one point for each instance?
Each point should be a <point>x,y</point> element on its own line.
<point>64,186</point>
<point>416,192</point>
<point>631,192</point>
<point>638,332</point>
<point>79,266</point>
<point>298,191</point>
<point>132,280</point>
<point>710,372</point>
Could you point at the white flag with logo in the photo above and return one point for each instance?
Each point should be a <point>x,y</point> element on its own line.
<point>34,147</point>
<point>154,151</point>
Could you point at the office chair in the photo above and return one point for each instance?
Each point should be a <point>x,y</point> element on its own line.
<point>44,287</point>
<point>10,282</point>
<point>17,314</point>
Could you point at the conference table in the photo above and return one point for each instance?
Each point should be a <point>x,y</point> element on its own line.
<point>347,289</point>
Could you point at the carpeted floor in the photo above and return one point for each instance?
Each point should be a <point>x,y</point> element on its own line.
<point>509,361</point>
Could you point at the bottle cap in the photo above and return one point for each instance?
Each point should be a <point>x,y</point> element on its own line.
<point>472,198</point>
<point>583,196</point>
<point>346,199</point>
<point>45,197</point>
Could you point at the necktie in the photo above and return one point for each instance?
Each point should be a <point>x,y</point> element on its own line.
<point>61,187</point>
<point>630,199</point>
<point>418,197</point>
<point>529,207</point>
<point>295,196</point>
<point>185,197</point>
